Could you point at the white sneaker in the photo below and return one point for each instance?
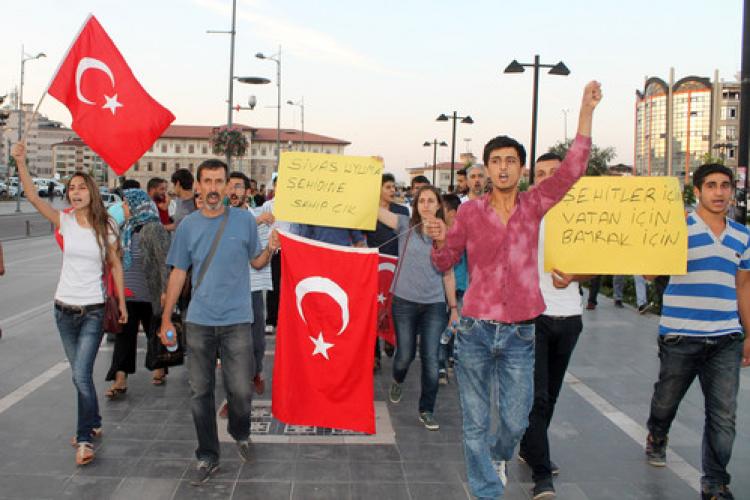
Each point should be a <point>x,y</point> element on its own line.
<point>500,468</point>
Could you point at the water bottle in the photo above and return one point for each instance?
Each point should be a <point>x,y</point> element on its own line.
<point>171,338</point>
<point>445,337</point>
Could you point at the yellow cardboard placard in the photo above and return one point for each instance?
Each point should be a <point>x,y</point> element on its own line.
<point>618,225</point>
<point>328,190</point>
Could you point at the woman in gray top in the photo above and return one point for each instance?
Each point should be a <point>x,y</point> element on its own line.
<point>419,300</point>
<point>145,244</point>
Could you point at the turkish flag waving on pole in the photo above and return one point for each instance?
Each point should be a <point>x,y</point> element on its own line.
<point>386,270</point>
<point>111,112</point>
<point>322,373</point>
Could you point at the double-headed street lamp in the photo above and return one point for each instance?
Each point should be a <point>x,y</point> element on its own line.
<point>301,104</point>
<point>555,69</point>
<point>454,117</point>
<point>24,57</point>
<point>277,59</point>
<point>434,143</point>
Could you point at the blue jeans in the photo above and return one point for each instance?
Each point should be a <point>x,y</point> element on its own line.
<point>427,321</point>
<point>81,336</point>
<point>235,344</point>
<point>716,363</point>
<point>493,357</point>
<point>259,329</point>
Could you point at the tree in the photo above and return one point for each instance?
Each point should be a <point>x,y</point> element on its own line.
<point>598,159</point>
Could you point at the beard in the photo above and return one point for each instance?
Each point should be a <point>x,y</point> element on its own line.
<point>212,200</point>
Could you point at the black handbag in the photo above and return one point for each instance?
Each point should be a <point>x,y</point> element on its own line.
<point>157,355</point>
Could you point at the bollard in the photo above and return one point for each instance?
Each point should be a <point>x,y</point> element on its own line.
<point>28,228</point>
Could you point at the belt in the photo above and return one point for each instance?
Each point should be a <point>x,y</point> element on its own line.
<point>502,323</point>
<point>80,310</point>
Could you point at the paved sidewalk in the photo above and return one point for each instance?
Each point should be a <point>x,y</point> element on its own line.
<point>148,444</point>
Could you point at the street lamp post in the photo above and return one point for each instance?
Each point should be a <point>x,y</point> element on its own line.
<point>301,104</point>
<point>277,59</point>
<point>434,143</point>
<point>230,96</point>
<point>565,112</point>
<point>24,57</point>
<point>556,69</point>
<point>454,117</point>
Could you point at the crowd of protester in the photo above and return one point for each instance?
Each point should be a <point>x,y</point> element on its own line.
<point>470,295</point>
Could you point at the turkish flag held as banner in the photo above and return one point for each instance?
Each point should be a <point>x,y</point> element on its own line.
<point>386,270</point>
<point>322,373</point>
<point>111,112</point>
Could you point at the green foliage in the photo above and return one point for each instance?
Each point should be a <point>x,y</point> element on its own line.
<point>523,185</point>
<point>598,159</point>
<point>229,141</point>
<point>688,195</point>
<point>707,157</point>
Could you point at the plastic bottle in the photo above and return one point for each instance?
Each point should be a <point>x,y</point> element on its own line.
<point>445,337</point>
<point>171,338</point>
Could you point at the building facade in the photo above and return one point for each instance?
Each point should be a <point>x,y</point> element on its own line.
<point>442,171</point>
<point>73,156</point>
<point>43,133</point>
<point>677,125</point>
<point>186,146</point>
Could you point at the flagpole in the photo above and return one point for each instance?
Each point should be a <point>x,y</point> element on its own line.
<point>33,117</point>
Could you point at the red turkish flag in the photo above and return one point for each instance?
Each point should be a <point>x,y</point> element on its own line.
<point>386,270</point>
<point>322,372</point>
<point>111,112</point>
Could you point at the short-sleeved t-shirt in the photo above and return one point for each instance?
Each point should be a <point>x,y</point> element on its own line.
<point>418,280</point>
<point>383,233</point>
<point>222,298</point>
<point>183,208</point>
<point>703,302</point>
<point>260,279</point>
<point>81,274</point>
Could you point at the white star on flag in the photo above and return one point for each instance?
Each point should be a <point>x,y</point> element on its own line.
<point>381,298</point>
<point>321,346</point>
<point>111,103</point>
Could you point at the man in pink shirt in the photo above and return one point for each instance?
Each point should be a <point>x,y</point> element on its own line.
<point>495,342</point>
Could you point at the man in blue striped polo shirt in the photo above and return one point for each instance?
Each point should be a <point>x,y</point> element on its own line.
<point>700,334</point>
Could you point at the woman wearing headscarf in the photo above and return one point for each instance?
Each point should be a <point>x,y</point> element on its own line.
<point>145,244</point>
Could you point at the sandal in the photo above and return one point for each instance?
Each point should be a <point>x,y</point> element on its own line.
<point>159,380</point>
<point>96,433</point>
<point>114,392</point>
<point>84,453</point>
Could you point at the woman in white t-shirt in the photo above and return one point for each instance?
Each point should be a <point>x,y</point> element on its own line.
<point>90,242</point>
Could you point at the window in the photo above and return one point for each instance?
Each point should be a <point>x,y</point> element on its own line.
<point>255,152</point>
<point>263,151</point>
<point>177,148</point>
<point>163,166</point>
<point>191,149</point>
<point>204,149</point>
<point>263,170</point>
<point>730,153</point>
<point>137,167</point>
<point>177,166</point>
<point>190,167</point>
<point>163,148</point>
<point>150,166</point>
<point>328,151</point>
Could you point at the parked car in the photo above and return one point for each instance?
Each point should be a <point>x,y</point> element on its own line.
<point>3,189</point>
<point>110,199</point>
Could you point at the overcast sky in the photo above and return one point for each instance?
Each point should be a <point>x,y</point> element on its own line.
<point>379,73</point>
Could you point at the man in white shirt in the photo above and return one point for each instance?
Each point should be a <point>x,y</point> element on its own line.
<point>557,331</point>
<point>476,181</point>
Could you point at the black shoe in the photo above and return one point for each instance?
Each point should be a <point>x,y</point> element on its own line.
<point>389,349</point>
<point>543,489</point>
<point>590,306</point>
<point>203,472</point>
<point>243,448</point>
<point>443,377</point>
<point>643,309</point>
<point>618,303</point>
<point>553,467</point>
<point>656,451</point>
<point>716,493</point>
